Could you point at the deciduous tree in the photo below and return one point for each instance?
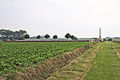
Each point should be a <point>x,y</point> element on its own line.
<point>27,36</point>
<point>47,36</point>
<point>68,35</point>
<point>38,37</point>
<point>73,37</point>
<point>55,37</point>
<point>110,39</point>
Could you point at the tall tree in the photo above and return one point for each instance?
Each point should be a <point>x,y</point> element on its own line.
<point>73,37</point>
<point>27,36</point>
<point>55,37</point>
<point>47,36</point>
<point>11,34</point>
<point>6,33</point>
<point>20,34</point>
<point>38,37</point>
<point>68,35</point>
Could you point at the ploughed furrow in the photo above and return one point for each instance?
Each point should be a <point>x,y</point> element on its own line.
<point>77,69</point>
<point>106,64</point>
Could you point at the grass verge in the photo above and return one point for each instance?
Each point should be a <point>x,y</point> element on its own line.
<point>106,64</point>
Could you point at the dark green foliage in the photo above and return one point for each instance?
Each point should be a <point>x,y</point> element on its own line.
<point>27,36</point>
<point>38,37</point>
<point>73,37</point>
<point>47,36</point>
<point>55,37</point>
<point>6,33</point>
<point>104,39</point>
<point>12,34</point>
<point>110,39</point>
<point>68,35</point>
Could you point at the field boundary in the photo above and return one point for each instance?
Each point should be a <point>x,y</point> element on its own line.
<point>90,64</point>
<point>49,41</point>
<point>77,68</point>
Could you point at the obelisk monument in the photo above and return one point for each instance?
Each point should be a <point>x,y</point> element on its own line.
<point>100,39</point>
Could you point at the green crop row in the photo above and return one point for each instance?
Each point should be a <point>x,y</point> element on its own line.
<point>15,56</point>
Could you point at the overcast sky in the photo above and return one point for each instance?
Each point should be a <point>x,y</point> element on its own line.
<point>81,18</point>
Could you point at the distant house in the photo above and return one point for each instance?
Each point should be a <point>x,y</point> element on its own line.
<point>93,39</point>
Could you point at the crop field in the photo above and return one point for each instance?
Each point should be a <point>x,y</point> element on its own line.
<point>100,62</point>
<point>15,56</point>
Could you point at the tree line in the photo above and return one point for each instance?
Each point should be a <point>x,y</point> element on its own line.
<point>47,36</point>
<point>22,34</point>
<point>12,35</point>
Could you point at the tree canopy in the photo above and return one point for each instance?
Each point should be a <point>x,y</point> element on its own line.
<point>27,36</point>
<point>9,34</point>
<point>47,36</point>
<point>110,39</point>
<point>68,35</point>
<point>73,37</point>
<point>38,37</point>
<point>55,37</point>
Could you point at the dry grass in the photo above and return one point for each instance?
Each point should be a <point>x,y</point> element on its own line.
<point>77,69</point>
<point>116,47</point>
<point>2,78</point>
